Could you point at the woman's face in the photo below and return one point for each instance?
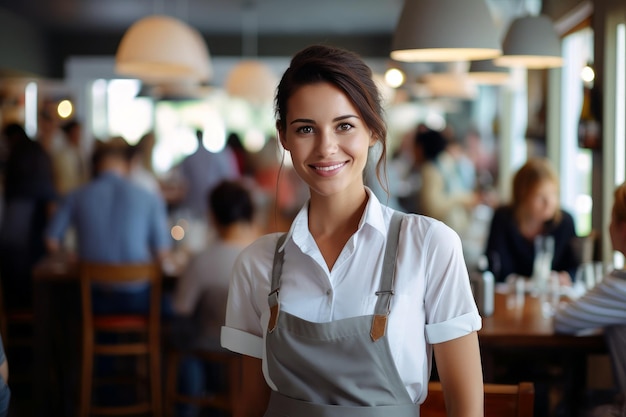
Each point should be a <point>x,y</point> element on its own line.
<point>543,202</point>
<point>327,138</point>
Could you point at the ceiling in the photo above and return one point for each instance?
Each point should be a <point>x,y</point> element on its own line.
<point>273,27</point>
<point>228,17</point>
<point>215,16</point>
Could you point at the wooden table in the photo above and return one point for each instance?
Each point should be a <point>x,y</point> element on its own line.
<point>519,335</point>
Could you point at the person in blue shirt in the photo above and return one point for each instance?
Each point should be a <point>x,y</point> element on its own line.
<point>115,221</point>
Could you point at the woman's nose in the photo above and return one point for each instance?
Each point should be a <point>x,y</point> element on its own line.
<point>327,143</point>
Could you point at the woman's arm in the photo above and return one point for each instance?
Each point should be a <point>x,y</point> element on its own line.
<point>460,372</point>
<point>255,392</point>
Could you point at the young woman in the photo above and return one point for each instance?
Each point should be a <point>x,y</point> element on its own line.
<point>344,311</point>
<point>534,211</point>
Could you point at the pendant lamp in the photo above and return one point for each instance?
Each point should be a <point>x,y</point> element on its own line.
<point>485,72</point>
<point>445,30</point>
<point>253,81</point>
<point>531,42</point>
<point>163,49</point>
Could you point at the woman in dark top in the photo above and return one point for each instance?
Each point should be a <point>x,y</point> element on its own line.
<point>533,212</point>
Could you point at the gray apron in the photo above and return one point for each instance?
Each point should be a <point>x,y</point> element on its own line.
<point>339,368</point>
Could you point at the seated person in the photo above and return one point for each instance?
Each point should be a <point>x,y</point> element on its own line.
<point>604,306</point>
<point>201,292</point>
<point>115,221</point>
<point>533,212</point>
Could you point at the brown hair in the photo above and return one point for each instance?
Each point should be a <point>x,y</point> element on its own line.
<point>346,71</point>
<point>619,203</point>
<point>534,172</point>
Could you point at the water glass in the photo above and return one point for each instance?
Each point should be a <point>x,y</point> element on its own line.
<point>551,298</point>
<point>542,265</point>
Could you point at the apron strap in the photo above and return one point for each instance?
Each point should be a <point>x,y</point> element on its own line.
<point>277,270</point>
<point>387,279</point>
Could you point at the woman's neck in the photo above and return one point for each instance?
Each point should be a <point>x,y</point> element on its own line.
<point>333,221</point>
<point>531,227</point>
<point>330,215</point>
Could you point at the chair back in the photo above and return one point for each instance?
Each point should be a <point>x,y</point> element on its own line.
<point>121,273</point>
<point>148,325</point>
<point>501,400</point>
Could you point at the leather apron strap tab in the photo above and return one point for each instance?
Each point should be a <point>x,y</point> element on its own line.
<point>387,279</point>
<point>277,270</point>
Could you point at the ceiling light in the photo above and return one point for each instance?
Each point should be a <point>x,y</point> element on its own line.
<point>486,73</point>
<point>450,85</point>
<point>445,30</point>
<point>394,77</point>
<point>253,81</point>
<point>531,42</point>
<point>161,48</point>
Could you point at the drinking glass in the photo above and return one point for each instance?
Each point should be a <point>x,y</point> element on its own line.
<point>542,265</point>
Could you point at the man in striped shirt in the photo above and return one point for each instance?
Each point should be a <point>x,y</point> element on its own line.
<point>604,306</point>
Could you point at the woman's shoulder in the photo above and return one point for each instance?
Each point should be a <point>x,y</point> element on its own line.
<point>264,243</point>
<point>424,228</point>
<point>256,259</point>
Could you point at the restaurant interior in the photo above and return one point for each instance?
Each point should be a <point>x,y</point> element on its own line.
<point>555,88</point>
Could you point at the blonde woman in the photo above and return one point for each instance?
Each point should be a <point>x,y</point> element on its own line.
<point>533,212</point>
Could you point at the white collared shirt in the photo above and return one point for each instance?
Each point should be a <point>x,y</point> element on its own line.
<point>433,302</point>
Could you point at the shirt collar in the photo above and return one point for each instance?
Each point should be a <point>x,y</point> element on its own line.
<point>372,217</point>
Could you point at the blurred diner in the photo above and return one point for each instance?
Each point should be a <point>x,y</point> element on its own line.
<point>200,172</point>
<point>29,199</point>
<point>604,307</point>
<point>199,301</point>
<point>115,221</point>
<point>533,213</point>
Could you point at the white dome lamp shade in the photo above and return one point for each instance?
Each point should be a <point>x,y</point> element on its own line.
<point>163,49</point>
<point>445,30</point>
<point>531,42</point>
<point>253,81</point>
<point>485,72</point>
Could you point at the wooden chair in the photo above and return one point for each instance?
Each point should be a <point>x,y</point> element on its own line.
<point>145,328</point>
<point>500,400</point>
<point>225,400</point>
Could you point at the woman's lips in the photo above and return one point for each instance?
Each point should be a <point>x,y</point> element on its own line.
<point>328,170</point>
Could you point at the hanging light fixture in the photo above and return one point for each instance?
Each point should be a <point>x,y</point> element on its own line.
<point>485,72</point>
<point>445,30</point>
<point>163,49</point>
<point>251,79</point>
<point>531,42</point>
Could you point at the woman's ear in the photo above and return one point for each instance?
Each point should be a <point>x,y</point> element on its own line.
<point>373,139</point>
<point>281,135</point>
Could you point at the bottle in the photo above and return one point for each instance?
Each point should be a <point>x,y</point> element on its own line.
<point>482,282</point>
<point>589,127</point>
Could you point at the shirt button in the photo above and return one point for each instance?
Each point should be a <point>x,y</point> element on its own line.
<point>329,292</point>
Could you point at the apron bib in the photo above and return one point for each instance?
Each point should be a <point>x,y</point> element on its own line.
<point>339,368</point>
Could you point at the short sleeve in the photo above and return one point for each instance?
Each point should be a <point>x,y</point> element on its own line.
<point>247,307</point>
<point>451,310</point>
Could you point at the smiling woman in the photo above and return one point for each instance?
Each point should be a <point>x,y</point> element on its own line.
<point>363,283</point>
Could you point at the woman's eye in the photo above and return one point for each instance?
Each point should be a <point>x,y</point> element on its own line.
<point>345,126</point>
<point>304,129</point>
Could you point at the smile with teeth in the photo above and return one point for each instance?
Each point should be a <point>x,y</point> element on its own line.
<point>331,167</point>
